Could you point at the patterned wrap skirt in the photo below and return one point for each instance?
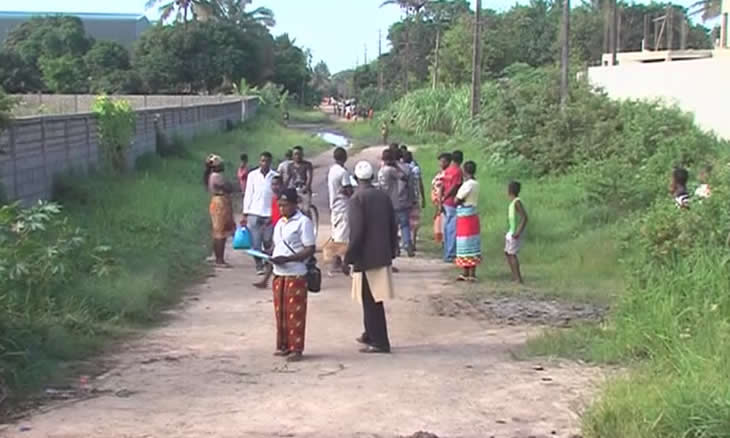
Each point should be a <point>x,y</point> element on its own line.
<point>221,216</point>
<point>468,240</point>
<point>290,309</point>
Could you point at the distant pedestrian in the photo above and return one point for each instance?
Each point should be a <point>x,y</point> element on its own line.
<point>220,208</point>
<point>293,247</point>
<point>384,130</point>
<point>371,249</point>
<point>678,188</point>
<point>257,209</point>
<point>452,179</point>
<point>517,219</point>
<point>468,239</point>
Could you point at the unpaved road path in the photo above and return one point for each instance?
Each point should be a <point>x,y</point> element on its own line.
<point>210,372</point>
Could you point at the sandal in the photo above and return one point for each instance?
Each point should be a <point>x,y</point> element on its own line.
<point>373,350</point>
<point>281,353</point>
<point>463,278</point>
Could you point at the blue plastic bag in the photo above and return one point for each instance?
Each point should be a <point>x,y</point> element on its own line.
<point>242,238</point>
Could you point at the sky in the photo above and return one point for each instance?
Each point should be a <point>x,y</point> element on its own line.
<point>336,31</point>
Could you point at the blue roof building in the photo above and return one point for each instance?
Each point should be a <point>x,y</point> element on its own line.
<point>122,28</point>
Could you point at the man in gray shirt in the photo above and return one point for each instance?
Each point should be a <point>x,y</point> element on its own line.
<point>395,180</point>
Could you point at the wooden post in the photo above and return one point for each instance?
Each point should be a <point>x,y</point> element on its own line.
<point>670,27</point>
<point>46,177</point>
<point>565,55</point>
<point>619,11</point>
<point>14,157</point>
<point>645,42</point>
<point>614,34</point>
<point>66,145</point>
<point>656,35</point>
<point>685,31</point>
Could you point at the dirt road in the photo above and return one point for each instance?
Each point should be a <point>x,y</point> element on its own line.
<point>210,372</point>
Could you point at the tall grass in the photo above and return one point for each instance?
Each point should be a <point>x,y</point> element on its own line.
<point>603,228</point>
<point>156,222</point>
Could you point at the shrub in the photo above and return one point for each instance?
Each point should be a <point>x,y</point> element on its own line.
<point>116,123</point>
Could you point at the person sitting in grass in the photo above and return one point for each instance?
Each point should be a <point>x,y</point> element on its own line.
<point>678,188</point>
<point>517,219</point>
<point>703,191</point>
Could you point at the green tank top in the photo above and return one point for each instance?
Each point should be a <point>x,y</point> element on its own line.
<point>512,216</point>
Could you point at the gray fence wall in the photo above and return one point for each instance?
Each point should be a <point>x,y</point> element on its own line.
<point>52,104</point>
<point>33,150</point>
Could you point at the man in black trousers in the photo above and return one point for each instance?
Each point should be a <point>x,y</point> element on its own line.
<point>371,249</point>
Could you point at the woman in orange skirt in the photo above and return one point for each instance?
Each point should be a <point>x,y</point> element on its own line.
<point>220,208</point>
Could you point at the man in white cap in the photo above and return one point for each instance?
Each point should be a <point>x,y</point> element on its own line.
<point>372,246</point>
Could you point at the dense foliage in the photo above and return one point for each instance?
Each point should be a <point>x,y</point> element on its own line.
<point>204,56</point>
<point>525,33</point>
<point>116,124</point>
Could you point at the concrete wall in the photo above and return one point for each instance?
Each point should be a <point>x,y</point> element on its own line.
<point>36,149</point>
<point>47,104</point>
<point>700,86</point>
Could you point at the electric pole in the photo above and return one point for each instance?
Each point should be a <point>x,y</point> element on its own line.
<point>565,55</point>
<point>380,66</point>
<point>476,63</point>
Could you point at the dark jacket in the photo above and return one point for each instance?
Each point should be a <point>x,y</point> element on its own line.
<point>373,230</point>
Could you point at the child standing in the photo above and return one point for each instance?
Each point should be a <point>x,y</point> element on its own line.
<point>678,188</point>
<point>517,219</point>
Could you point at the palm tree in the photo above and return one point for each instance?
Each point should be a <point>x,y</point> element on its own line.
<point>235,12</point>
<point>180,8</point>
<point>708,8</point>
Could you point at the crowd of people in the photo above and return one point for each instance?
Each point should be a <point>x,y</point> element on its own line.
<point>386,203</point>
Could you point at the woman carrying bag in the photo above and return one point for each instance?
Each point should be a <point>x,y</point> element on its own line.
<point>294,245</point>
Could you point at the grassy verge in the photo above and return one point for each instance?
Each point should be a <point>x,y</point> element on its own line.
<point>602,228</point>
<point>304,115</point>
<point>156,222</point>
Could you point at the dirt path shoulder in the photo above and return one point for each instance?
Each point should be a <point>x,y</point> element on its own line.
<point>210,372</point>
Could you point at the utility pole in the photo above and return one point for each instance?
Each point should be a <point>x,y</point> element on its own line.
<point>365,57</point>
<point>380,61</point>
<point>476,63</point>
<point>565,56</point>
<point>614,34</point>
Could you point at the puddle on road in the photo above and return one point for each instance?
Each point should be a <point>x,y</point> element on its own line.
<point>335,139</point>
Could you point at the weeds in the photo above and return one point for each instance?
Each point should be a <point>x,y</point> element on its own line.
<point>123,247</point>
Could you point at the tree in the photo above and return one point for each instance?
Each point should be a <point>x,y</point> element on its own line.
<point>290,65</point>
<point>442,13</point>
<point>65,74</point>
<point>179,8</point>
<point>45,41</point>
<point>106,57</point>
<point>235,12</point>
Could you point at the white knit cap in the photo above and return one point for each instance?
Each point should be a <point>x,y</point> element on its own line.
<point>364,170</point>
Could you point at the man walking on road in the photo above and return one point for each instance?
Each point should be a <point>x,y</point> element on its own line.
<point>257,207</point>
<point>372,247</point>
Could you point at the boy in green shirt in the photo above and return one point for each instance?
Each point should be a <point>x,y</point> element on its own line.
<point>517,219</point>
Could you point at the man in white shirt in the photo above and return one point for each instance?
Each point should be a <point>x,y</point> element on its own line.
<point>283,168</point>
<point>257,207</point>
<point>339,187</point>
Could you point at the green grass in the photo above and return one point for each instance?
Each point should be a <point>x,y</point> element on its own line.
<point>306,115</point>
<point>156,221</point>
<point>669,326</point>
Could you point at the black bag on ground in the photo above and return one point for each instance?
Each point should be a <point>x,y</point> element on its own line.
<point>314,276</point>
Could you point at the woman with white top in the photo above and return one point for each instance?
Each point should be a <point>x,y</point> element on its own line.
<point>294,244</point>
<point>468,239</point>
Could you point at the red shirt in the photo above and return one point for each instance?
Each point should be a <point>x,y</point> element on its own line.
<point>453,177</point>
<point>242,178</point>
<point>275,213</point>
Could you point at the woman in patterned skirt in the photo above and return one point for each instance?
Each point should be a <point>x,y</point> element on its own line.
<point>220,208</point>
<point>468,239</point>
<point>293,246</point>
